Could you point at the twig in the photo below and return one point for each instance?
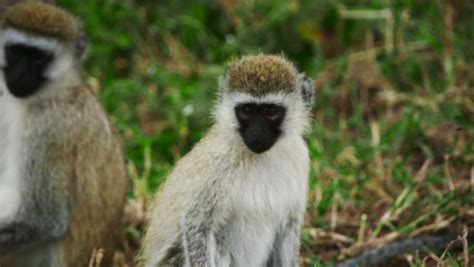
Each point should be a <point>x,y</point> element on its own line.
<point>447,171</point>
<point>465,246</point>
<point>472,178</point>
<point>365,14</point>
<point>432,227</point>
<point>362,228</point>
<point>319,233</point>
<point>96,258</point>
<point>377,242</point>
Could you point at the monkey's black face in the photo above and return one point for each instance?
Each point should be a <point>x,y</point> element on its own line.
<point>260,124</point>
<point>25,69</point>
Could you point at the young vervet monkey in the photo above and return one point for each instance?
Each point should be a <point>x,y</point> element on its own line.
<point>63,181</point>
<point>238,198</point>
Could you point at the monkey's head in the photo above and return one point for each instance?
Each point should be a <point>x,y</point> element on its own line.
<point>41,46</point>
<point>264,98</point>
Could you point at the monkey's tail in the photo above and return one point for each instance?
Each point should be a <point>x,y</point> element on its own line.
<point>380,255</point>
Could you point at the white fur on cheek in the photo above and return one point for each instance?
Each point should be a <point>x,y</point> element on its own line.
<point>10,159</point>
<point>62,65</point>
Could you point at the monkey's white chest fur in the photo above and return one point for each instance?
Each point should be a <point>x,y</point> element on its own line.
<point>264,194</point>
<point>10,161</point>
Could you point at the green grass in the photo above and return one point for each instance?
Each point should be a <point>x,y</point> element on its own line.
<point>392,132</point>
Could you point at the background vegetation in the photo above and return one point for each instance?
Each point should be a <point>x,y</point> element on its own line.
<point>393,123</point>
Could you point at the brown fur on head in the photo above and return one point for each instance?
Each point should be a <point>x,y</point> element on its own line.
<point>42,19</point>
<point>262,74</point>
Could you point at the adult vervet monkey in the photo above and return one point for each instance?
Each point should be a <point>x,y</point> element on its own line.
<point>63,181</point>
<point>238,198</point>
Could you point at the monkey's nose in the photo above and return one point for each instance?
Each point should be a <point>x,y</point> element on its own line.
<point>258,143</point>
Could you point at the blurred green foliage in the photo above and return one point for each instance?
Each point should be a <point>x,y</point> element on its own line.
<point>393,93</point>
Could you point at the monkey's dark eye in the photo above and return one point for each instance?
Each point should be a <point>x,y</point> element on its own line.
<point>35,56</point>
<point>271,113</point>
<point>244,112</point>
<point>41,60</point>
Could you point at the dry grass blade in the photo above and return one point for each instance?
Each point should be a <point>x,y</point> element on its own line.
<point>420,176</point>
<point>472,178</point>
<point>443,224</point>
<point>362,228</point>
<point>365,14</point>
<point>439,261</point>
<point>377,242</point>
<point>465,246</point>
<point>320,234</point>
<point>448,173</point>
<point>463,240</point>
<point>96,258</point>
<point>333,223</point>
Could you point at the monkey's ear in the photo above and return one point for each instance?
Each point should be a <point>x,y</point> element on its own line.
<point>307,90</point>
<point>81,46</point>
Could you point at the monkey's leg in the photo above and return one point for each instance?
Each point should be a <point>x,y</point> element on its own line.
<point>219,252</point>
<point>285,252</point>
<point>46,206</point>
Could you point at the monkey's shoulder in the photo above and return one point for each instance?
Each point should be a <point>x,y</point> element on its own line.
<point>79,113</point>
<point>193,174</point>
<point>207,158</point>
<point>69,131</point>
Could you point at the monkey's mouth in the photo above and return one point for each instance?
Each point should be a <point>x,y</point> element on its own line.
<point>22,85</point>
<point>259,144</point>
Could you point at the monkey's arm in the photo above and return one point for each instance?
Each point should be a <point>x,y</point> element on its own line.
<point>46,200</point>
<point>200,242</point>
<point>40,224</point>
<point>285,251</point>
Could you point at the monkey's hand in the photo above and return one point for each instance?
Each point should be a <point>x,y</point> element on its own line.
<point>15,235</point>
